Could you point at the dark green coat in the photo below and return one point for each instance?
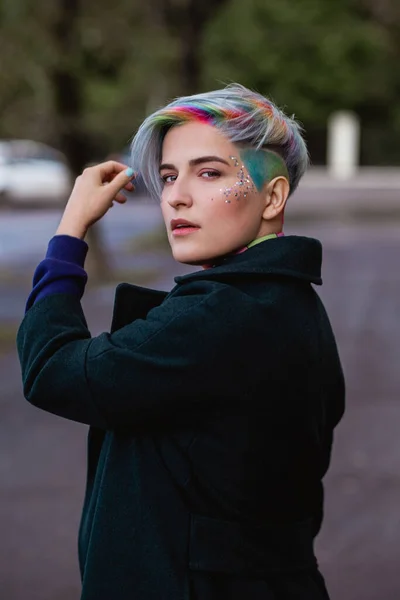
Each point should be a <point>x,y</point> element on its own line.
<point>211,411</point>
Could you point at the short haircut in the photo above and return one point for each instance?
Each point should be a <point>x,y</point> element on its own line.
<point>243,116</point>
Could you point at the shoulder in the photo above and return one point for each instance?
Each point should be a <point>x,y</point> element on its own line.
<point>238,291</point>
<point>223,312</point>
<point>195,311</point>
<point>197,300</point>
<point>228,309</point>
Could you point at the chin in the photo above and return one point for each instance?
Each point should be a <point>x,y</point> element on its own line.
<point>189,258</point>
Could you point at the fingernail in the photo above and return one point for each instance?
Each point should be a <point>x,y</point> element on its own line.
<point>129,172</point>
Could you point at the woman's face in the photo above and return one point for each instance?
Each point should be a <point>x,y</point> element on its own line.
<point>207,185</point>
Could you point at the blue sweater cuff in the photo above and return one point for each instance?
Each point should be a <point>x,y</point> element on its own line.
<point>61,272</point>
<point>67,248</point>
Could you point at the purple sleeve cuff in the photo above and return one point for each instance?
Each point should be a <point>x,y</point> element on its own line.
<point>62,271</point>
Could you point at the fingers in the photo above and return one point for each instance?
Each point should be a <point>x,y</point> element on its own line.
<point>129,187</point>
<point>109,170</point>
<point>120,198</point>
<point>110,167</point>
<point>121,181</point>
<point>113,177</point>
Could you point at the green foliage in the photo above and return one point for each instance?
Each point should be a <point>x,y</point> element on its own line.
<point>310,56</point>
<point>117,53</point>
<point>127,58</point>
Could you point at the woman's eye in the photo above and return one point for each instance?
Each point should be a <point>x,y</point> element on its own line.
<point>209,174</point>
<point>169,178</point>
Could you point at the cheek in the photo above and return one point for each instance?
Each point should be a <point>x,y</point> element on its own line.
<point>164,195</point>
<point>228,210</point>
<point>241,189</point>
<point>164,209</point>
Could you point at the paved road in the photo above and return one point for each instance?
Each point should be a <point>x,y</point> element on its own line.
<point>42,458</point>
<point>24,234</point>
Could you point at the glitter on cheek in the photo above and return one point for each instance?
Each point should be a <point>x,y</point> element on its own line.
<point>244,183</point>
<point>227,191</point>
<point>242,187</point>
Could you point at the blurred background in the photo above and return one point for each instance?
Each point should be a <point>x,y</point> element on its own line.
<point>76,79</point>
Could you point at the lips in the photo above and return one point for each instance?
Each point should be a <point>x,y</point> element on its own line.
<point>177,224</point>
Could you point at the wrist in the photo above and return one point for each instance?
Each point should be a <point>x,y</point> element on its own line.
<point>72,229</point>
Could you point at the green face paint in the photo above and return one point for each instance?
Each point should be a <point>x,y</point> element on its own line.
<point>263,166</point>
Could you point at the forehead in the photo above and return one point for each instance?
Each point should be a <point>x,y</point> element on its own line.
<point>193,139</point>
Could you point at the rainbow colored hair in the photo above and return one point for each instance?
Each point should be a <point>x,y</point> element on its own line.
<point>245,117</point>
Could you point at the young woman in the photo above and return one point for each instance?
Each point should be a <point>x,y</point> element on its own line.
<point>211,408</point>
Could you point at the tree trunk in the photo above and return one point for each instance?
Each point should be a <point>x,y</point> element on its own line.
<point>187,22</point>
<point>69,111</point>
<point>191,37</point>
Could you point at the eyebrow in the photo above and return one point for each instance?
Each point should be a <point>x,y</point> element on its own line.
<point>197,161</point>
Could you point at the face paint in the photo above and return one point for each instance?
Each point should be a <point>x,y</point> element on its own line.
<point>242,187</point>
<point>263,166</point>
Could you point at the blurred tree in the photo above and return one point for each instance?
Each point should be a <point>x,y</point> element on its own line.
<point>65,77</point>
<point>186,21</point>
<point>310,56</point>
<point>381,121</point>
<point>81,74</point>
<point>68,77</point>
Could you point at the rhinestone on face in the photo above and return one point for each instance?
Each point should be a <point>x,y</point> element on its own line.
<point>242,187</point>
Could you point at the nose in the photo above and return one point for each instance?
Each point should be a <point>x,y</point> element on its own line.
<point>179,194</point>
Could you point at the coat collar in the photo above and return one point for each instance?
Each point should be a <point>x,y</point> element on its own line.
<point>133,302</point>
<point>293,256</point>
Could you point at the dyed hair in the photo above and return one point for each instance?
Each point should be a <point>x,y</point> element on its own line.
<point>243,116</point>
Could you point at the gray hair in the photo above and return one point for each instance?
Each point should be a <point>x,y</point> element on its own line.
<point>243,116</point>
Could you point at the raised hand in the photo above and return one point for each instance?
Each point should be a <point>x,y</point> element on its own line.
<point>93,195</point>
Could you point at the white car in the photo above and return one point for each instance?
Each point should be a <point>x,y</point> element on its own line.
<point>32,174</point>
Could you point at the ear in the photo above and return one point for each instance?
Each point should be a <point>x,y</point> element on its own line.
<point>276,194</point>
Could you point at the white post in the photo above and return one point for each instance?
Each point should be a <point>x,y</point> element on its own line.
<point>343,152</point>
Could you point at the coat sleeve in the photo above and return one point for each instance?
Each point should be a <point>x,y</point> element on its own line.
<point>178,359</point>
